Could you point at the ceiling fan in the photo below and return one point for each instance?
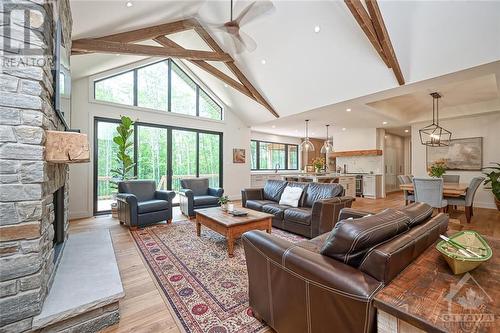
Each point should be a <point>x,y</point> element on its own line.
<point>240,39</point>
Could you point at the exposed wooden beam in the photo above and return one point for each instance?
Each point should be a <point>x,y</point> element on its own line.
<point>234,69</point>
<point>102,46</point>
<point>142,34</point>
<point>363,18</point>
<point>164,41</point>
<point>384,39</point>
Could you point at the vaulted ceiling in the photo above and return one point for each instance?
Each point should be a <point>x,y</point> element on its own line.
<point>304,70</point>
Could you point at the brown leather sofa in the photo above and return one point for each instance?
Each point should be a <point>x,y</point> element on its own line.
<point>318,209</point>
<point>327,284</point>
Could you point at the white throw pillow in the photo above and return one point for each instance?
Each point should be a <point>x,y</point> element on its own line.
<point>291,196</point>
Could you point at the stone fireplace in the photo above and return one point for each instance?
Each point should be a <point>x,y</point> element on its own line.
<point>33,193</point>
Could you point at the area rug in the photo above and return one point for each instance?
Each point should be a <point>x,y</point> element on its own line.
<point>207,290</point>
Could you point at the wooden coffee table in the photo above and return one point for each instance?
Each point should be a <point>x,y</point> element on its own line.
<point>232,227</point>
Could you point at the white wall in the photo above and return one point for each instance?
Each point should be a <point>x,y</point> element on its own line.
<point>236,134</point>
<point>355,139</point>
<point>486,126</point>
<point>274,138</point>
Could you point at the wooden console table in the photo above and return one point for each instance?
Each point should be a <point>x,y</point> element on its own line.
<point>427,297</point>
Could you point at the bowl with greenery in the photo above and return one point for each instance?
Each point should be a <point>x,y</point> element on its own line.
<point>223,201</point>
<point>492,181</point>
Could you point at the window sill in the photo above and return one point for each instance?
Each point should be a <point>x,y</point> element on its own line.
<point>157,112</point>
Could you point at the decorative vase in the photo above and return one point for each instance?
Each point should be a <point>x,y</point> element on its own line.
<point>224,207</point>
<point>318,170</point>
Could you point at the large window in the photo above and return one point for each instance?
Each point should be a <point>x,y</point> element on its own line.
<point>160,86</point>
<point>163,153</point>
<point>271,155</point>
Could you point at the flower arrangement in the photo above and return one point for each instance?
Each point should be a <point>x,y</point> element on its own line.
<point>223,201</point>
<point>319,163</point>
<point>437,169</point>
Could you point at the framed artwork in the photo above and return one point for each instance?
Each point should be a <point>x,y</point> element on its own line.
<point>239,155</point>
<point>461,154</point>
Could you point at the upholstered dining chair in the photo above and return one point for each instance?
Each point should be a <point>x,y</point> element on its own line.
<point>451,179</point>
<point>467,200</point>
<point>404,179</point>
<point>430,191</point>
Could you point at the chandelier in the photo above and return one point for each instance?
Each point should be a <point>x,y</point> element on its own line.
<point>434,135</point>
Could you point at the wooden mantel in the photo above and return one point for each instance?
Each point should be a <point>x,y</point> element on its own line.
<point>368,152</point>
<point>66,147</point>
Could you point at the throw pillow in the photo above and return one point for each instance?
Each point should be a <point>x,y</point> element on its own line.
<point>291,196</point>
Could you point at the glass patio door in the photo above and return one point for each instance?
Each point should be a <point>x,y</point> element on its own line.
<point>152,155</point>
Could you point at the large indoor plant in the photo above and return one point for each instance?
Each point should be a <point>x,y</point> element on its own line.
<point>492,181</point>
<point>123,140</point>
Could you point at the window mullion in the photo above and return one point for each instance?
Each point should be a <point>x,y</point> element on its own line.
<point>135,87</point>
<point>169,88</point>
<point>197,101</point>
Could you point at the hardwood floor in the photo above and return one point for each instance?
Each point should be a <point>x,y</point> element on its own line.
<point>144,310</point>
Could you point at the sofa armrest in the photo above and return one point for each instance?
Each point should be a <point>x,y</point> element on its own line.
<point>186,202</point>
<point>275,267</point>
<point>215,192</point>
<point>325,214</point>
<point>127,208</point>
<point>129,198</point>
<point>165,195</point>
<point>346,213</point>
<point>251,194</point>
<point>185,192</point>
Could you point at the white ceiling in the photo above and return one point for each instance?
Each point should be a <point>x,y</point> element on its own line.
<point>322,72</point>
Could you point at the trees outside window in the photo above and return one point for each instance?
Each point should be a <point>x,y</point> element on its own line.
<point>162,86</point>
<point>152,144</point>
<point>270,155</point>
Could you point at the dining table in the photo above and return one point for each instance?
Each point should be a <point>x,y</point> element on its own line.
<point>449,189</point>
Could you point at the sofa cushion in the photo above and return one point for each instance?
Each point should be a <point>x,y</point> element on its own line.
<point>317,191</point>
<point>418,212</point>
<point>303,186</point>
<point>199,186</point>
<point>258,204</point>
<point>291,196</point>
<point>275,209</point>
<point>151,206</point>
<point>273,190</point>
<point>202,200</point>
<point>299,215</point>
<point>350,240</point>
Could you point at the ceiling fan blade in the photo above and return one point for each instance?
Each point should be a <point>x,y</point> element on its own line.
<point>255,10</point>
<point>246,40</point>
<point>239,45</point>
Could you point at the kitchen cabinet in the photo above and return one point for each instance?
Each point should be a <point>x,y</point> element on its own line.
<point>349,185</point>
<point>372,186</point>
<point>259,180</point>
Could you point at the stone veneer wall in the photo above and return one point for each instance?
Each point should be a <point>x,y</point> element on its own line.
<point>27,182</point>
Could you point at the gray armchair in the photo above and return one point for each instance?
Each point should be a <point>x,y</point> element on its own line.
<point>430,191</point>
<point>468,200</point>
<point>195,193</point>
<point>139,203</point>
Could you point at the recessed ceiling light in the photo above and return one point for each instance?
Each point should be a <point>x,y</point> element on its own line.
<point>129,4</point>
<point>274,126</point>
<point>384,123</point>
<point>225,85</point>
<point>263,61</point>
<point>406,131</point>
<point>348,110</point>
<point>317,29</point>
<point>343,128</point>
<point>117,54</point>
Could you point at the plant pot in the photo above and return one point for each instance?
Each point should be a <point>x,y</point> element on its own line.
<point>114,210</point>
<point>224,207</point>
<point>497,202</point>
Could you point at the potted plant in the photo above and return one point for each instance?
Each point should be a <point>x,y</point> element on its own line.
<point>492,181</point>
<point>437,169</point>
<point>123,139</point>
<point>223,201</point>
<point>319,164</point>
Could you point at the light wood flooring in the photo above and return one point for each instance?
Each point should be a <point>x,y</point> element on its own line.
<point>143,308</point>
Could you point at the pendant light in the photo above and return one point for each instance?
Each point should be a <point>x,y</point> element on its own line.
<point>306,144</point>
<point>327,146</point>
<point>434,135</point>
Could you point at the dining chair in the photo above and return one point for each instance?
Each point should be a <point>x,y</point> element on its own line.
<point>455,179</point>
<point>467,200</point>
<point>430,191</point>
<point>404,179</point>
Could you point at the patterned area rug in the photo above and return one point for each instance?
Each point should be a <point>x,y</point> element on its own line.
<point>207,290</point>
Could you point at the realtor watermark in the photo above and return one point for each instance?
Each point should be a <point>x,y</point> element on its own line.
<point>23,41</point>
<point>468,306</point>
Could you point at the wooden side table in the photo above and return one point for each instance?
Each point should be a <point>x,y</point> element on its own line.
<point>427,297</point>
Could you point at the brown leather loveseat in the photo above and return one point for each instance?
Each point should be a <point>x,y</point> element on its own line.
<point>317,212</point>
<point>327,284</point>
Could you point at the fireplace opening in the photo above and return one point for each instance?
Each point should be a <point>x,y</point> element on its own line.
<point>58,223</point>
